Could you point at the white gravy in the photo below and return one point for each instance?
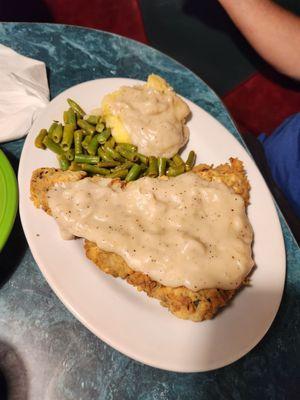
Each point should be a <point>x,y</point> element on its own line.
<point>183,231</point>
<point>153,119</point>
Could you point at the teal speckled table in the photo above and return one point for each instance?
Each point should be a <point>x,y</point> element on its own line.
<point>45,353</point>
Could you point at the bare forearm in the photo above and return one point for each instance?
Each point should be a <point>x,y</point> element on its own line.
<point>273,31</point>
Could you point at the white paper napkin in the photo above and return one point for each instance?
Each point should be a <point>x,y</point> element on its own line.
<point>24,92</point>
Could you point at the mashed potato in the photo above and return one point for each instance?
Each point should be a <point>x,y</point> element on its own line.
<point>150,116</point>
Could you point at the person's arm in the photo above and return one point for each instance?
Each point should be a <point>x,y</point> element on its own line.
<point>273,31</point>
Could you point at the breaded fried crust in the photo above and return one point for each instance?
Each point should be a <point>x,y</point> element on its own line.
<point>182,302</point>
<point>44,178</point>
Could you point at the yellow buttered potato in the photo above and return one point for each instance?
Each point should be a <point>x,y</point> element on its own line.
<point>151,116</point>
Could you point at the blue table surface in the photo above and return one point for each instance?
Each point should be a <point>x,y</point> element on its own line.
<point>45,353</point>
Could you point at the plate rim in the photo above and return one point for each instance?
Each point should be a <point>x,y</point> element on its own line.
<point>89,326</point>
<point>10,205</point>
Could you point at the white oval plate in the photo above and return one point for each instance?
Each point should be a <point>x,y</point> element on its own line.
<point>128,320</point>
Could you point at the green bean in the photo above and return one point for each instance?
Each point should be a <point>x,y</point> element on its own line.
<point>143,159</point>
<point>129,155</point>
<point>82,149</point>
<point>66,117</point>
<point>178,160</point>
<point>52,146</point>
<point>108,164</point>
<point>39,139</point>
<point>74,166</point>
<point>174,171</point>
<point>110,143</point>
<point>77,141</point>
<point>90,129</point>
<point>72,117</point>
<point>104,156</point>
<point>125,165</point>
<point>94,170</point>
<point>68,137</point>
<point>92,119</point>
<point>145,173</point>
<point>76,107</point>
<point>120,173</point>
<point>57,133</point>
<point>63,162</point>
<point>153,167</point>
<point>128,146</point>
<point>86,159</point>
<point>143,166</point>
<point>86,141</point>
<point>93,146</point>
<point>70,154</point>
<point>100,126</point>
<point>51,129</point>
<point>190,162</point>
<point>162,166</point>
<point>113,154</point>
<point>133,173</point>
<point>171,163</point>
<point>103,136</point>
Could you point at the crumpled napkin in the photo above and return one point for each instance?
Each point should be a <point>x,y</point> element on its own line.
<point>24,92</point>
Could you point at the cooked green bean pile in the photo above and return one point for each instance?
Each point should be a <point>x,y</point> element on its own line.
<point>83,143</point>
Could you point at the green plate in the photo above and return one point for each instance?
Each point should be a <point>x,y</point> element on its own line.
<point>8,198</point>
